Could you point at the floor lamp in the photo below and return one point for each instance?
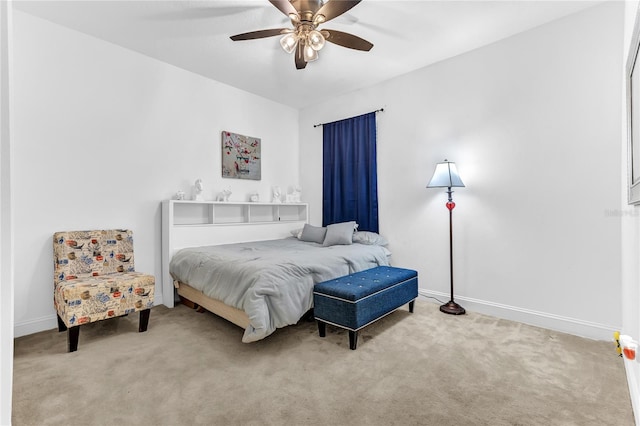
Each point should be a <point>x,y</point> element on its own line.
<point>446,176</point>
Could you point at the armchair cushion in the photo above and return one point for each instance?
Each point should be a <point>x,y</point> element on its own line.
<point>80,254</point>
<point>90,299</point>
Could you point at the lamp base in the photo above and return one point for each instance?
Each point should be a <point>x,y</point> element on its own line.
<point>452,308</point>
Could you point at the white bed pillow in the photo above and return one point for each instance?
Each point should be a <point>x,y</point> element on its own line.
<point>313,234</point>
<point>340,233</point>
<point>369,238</point>
<point>297,233</point>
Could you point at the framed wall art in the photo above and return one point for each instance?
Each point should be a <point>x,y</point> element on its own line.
<point>633,115</point>
<point>240,156</point>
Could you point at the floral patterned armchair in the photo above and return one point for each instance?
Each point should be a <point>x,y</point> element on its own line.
<point>95,279</point>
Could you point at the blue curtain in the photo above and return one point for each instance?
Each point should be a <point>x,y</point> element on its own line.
<point>350,178</point>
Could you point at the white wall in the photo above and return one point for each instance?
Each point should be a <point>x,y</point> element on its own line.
<point>533,123</point>
<point>630,237</point>
<point>6,233</point>
<point>103,134</point>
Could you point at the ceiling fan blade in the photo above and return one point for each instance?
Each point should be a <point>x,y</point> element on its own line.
<point>335,8</point>
<point>284,6</point>
<point>260,34</point>
<point>299,57</point>
<point>347,40</point>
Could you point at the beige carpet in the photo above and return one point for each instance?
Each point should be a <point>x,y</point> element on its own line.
<point>425,368</point>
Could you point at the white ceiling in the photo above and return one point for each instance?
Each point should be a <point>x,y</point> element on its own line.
<point>194,35</point>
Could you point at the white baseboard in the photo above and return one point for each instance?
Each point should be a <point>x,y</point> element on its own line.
<point>539,319</point>
<point>554,322</point>
<point>631,368</point>
<point>36,325</point>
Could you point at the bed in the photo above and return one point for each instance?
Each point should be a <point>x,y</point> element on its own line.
<point>261,278</point>
<point>264,285</point>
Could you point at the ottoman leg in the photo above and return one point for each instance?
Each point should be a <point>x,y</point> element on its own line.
<point>411,304</point>
<point>353,340</point>
<point>322,328</point>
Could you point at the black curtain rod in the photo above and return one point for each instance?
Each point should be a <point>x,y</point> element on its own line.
<point>322,124</point>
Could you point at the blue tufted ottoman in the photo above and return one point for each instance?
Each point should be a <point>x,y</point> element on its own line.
<point>356,300</point>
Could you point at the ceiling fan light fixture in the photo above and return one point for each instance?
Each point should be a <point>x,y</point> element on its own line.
<point>305,40</point>
<point>289,42</point>
<point>319,19</point>
<point>294,17</point>
<point>309,53</point>
<point>316,40</point>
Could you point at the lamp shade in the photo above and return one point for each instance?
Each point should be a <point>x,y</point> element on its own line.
<point>309,53</point>
<point>289,42</point>
<point>446,175</point>
<point>316,40</point>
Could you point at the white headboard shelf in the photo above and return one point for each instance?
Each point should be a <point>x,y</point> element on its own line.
<point>187,223</point>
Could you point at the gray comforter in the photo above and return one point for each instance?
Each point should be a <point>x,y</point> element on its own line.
<point>272,281</point>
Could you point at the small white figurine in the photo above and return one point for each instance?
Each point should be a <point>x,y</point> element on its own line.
<point>297,194</point>
<point>277,195</point>
<point>294,195</point>
<point>198,188</point>
<point>224,195</point>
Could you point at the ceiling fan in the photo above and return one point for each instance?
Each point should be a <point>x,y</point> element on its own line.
<point>305,38</point>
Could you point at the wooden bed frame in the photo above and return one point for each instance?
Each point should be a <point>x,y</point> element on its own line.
<point>197,300</point>
<point>203,223</point>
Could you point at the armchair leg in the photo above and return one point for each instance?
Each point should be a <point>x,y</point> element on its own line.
<point>144,320</point>
<point>73,335</point>
<point>61,325</point>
